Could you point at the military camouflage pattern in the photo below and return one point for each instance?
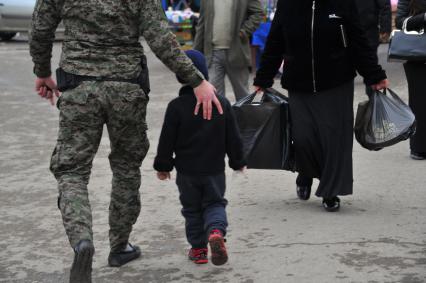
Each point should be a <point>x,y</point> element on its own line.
<point>83,112</point>
<point>102,38</point>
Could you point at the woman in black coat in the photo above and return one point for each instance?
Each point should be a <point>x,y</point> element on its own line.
<point>415,12</point>
<point>322,44</point>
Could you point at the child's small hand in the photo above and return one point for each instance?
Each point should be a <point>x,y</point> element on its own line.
<point>163,175</point>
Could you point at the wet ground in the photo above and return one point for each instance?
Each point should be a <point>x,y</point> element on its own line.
<point>378,236</point>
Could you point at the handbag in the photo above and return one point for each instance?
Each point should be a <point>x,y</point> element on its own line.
<point>407,45</point>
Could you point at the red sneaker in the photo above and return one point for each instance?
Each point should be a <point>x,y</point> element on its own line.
<point>198,256</point>
<point>217,246</point>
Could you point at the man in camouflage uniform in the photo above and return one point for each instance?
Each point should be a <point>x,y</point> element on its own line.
<point>102,41</point>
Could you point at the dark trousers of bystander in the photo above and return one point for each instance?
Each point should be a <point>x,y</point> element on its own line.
<point>416,74</point>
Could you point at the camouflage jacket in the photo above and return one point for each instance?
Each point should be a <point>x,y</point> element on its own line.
<point>102,38</point>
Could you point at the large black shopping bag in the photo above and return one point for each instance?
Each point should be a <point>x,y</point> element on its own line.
<point>383,120</point>
<point>265,130</point>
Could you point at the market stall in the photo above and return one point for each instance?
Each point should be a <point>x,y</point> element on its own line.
<point>183,17</point>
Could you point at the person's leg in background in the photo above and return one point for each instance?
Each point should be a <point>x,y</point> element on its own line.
<point>239,77</point>
<point>217,71</point>
<point>416,74</point>
<point>80,131</point>
<point>129,144</point>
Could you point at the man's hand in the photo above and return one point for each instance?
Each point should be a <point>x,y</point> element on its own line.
<point>381,85</point>
<point>163,175</point>
<point>47,88</point>
<point>205,94</point>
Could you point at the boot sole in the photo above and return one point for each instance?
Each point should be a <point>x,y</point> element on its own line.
<point>81,269</point>
<point>118,263</point>
<point>218,250</point>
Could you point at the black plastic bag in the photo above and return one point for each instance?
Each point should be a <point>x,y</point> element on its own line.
<point>383,120</point>
<point>265,130</point>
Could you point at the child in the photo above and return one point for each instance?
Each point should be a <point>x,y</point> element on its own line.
<point>200,146</point>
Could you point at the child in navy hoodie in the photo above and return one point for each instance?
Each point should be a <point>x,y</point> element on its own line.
<point>199,147</point>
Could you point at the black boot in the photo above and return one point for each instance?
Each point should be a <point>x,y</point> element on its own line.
<point>303,187</point>
<point>331,204</point>
<point>81,269</point>
<point>118,259</point>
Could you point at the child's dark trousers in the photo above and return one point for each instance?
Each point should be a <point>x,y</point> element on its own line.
<point>203,202</point>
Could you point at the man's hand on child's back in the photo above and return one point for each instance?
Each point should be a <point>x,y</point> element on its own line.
<point>163,175</point>
<point>205,94</point>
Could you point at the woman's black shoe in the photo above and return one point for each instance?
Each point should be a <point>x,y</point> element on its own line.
<point>303,192</point>
<point>332,204</point>
<point>417,155</point>
<point>303,186</point>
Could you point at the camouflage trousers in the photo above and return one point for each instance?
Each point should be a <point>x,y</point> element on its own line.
<point>83,113</point>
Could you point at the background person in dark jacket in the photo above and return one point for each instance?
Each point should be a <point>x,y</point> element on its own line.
<point>323,44</point>
<point>200,147</point>
<point>376,18</point>
<point>416,74</point>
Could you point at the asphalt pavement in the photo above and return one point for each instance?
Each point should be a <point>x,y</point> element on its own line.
<point>379,235</point>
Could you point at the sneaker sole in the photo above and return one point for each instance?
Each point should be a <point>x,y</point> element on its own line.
<point>218,250</point>
<point>81,269</point>
<point>201,261</point>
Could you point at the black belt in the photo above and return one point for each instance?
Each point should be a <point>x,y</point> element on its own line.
<point>67,81</point>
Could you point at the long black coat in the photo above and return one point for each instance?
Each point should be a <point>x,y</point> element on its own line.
<point>319,58</point>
